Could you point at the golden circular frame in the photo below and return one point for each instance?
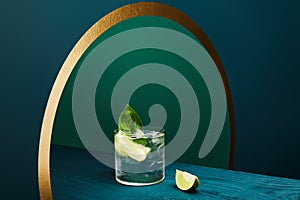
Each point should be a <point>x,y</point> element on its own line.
<point>109,20</point>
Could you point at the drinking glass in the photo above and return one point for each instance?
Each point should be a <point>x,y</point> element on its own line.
<point>140,157</point>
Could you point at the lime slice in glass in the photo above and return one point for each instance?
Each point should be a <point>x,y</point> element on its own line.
<point>186,181</point>
<point>126,147</point>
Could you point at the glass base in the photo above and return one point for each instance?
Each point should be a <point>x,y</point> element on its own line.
<point>123,181</point>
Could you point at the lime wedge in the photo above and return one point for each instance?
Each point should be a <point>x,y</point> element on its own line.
<point>129,121</point>
<point>186,181</point>
<point>126,147</point>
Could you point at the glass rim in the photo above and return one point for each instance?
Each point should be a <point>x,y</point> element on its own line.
<point>159,130</point>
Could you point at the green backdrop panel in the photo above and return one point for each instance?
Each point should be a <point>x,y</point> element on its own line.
<point>64,131</point>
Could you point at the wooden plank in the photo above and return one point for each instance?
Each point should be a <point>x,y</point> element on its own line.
<point>75,174</point>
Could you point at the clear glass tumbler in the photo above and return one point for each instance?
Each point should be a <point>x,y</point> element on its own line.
<point>140,157</point>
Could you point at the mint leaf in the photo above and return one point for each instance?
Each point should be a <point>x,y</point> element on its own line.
<point>142,141</point>
<point>129,121</point>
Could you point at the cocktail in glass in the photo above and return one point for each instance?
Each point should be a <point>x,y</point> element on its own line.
<point>140,157</point>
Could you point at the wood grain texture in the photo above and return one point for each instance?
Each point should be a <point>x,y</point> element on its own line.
<point>75,174</point>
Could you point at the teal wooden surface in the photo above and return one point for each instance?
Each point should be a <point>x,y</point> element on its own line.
<point>75,174</point>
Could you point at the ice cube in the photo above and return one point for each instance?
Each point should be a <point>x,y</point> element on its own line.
<point>138,134</point>
<point>151,134</point>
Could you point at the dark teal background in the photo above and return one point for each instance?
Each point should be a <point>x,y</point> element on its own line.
<point>257,42</point>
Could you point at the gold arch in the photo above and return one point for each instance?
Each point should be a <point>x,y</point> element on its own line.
<point>109,20</point>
